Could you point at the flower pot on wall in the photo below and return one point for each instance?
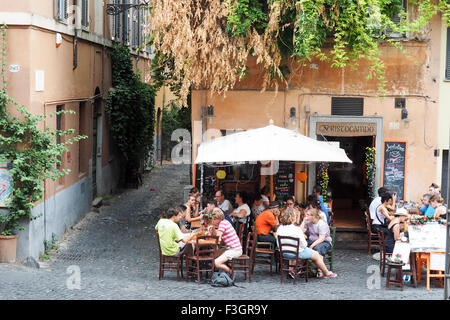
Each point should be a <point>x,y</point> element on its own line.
<point>8,247</point>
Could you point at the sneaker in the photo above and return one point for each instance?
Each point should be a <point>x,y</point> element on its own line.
<point>331,275</point>
<point>319,274</point>
<point>292,274</point>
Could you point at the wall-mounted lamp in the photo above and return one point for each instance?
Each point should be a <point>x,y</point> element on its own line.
<point>210,113</point>
<point>405,115</point>
<point>293,116</point>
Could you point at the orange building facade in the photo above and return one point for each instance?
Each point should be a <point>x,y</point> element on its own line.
<point>56,64</point>
<point>343,106</point>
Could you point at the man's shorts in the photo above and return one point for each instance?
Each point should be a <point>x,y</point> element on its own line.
<point>232,253</point>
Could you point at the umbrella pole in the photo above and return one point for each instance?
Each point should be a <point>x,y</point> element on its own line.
<point>271,181</point>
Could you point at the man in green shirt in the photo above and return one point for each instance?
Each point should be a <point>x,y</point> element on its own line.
<point>171,239</point>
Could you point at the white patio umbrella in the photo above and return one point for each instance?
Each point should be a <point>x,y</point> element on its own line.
<point>268,143</point>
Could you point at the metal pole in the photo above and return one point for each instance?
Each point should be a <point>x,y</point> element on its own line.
<point>447,247</point>
<point>201,165</point>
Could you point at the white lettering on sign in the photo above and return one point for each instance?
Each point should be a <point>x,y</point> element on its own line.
<point>14,68</point>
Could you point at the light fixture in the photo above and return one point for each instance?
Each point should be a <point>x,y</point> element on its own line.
<point>210,113</point>
<point>292,116</point>
<point>405,115</point>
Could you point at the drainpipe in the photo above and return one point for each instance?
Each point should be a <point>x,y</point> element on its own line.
<point>75,38</point>
<point>447,247</point>
<point>201,165</point>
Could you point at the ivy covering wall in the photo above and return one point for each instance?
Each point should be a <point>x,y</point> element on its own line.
<point>131,110</point>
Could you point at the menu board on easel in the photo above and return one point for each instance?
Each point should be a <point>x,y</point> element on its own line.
<point>394,167</point>
<point>284,180</point>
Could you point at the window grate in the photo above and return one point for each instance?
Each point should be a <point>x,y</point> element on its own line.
<point>343,106</point>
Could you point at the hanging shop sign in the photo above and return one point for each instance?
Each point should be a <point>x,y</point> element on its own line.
<point>346,129</point>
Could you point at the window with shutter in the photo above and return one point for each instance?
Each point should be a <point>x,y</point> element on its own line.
<point>117,23</point>
<point>343,106</point>
<point>126,29</point>
<point>62,10</point>
<point>397,19</point>
<point>447,64</point>
<point>134,26</point>
<point>85,13</point>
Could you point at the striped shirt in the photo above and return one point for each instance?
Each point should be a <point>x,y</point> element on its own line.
<point>229,235</point>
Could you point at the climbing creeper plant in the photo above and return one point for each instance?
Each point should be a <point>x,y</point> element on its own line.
<point>33,153</point>
<point>370,170</point>
<point>324,179</point>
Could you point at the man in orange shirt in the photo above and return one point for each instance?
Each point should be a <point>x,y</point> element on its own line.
<point>266,222</point>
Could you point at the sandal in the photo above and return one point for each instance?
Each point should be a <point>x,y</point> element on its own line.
<point>331,275</point>
<point>319,274</point>
<point>292,274</point>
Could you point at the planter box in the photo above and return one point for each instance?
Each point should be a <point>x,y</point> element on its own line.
<point>8,247</point>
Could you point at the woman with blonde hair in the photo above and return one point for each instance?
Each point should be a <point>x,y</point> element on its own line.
<point>287,228</point>
<point>440,210</point>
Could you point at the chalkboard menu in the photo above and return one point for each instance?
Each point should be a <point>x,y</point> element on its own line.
<point>394,167</point>
<point>209,179</point>
<point>284,180</point>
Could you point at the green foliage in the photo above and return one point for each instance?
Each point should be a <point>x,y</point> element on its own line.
<point>51,245</point>
<point>352,29</point>
<point>32,151</point>
<point>131,109</point>
<point>370,171</point>
<point>173,117</point>
<point>324,179</point>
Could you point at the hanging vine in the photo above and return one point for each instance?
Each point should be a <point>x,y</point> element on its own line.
<point>324,179</point>
<point>370,171</point>
<point>209,42</point>
<point>33,153</point>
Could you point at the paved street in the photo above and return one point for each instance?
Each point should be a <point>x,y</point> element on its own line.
<point>117,256</point>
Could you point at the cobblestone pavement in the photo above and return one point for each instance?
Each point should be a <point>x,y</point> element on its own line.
<point>117,256</point>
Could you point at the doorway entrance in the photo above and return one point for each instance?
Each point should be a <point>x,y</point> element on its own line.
<point>348,182</point>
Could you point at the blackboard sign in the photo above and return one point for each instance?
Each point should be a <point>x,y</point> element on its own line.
<point>394,167</point>
<point>284,180</point>
<point>209,179</point>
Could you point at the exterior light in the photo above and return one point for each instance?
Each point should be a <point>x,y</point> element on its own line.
<point>405,115</point>
<point>210,113</point>
<point>293,117</point>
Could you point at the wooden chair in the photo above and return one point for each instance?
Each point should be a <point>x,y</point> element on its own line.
<point>203,258</point>
<point>300,267</point>
<point>264,252</point>
<point>383,253</point>
<point>241,233</point>
<point>373,240</point>
<point>244,262</point>
<point>168,263</point>
<point>330,254</point>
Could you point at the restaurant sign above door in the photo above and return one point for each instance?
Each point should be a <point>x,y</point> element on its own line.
<point>346,129</point>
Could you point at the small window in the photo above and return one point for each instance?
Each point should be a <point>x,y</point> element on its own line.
<point>62,10</point>
<point>397,19</point>
<point>85,13</point>
<point>343,106</point>
<point>135,16</point>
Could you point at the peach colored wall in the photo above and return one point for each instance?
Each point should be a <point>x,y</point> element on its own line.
<point>247,107</point>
